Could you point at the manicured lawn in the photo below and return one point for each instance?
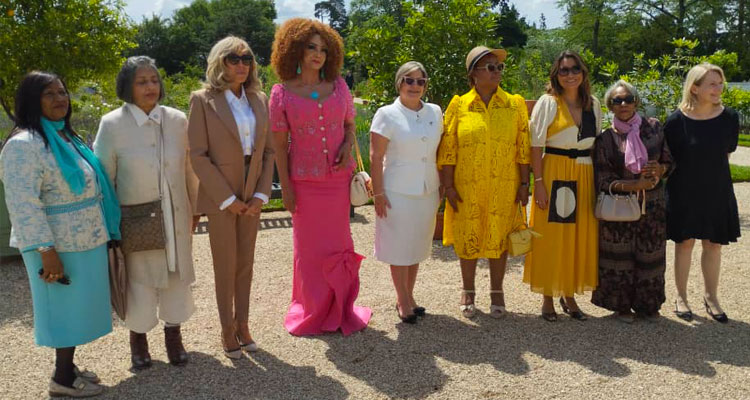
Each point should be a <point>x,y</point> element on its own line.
<point>744,140</point>
<point>740,173</point>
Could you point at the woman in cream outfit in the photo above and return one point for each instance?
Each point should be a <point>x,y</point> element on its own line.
<point>407,134</point>
<point>129,146</point>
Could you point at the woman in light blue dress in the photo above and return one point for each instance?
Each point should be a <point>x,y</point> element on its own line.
<point>63,212</point>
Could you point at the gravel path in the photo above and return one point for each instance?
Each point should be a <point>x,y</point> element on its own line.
<point>741,156</point>
<point>444,356</point>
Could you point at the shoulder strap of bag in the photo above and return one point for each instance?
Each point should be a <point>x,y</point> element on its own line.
<point>360,165</point>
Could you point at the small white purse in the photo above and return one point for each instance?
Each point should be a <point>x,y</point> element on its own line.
<point>360,188</point>
<point>619,207</point>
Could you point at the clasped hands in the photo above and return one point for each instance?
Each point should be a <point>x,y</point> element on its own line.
<point>251,208</point>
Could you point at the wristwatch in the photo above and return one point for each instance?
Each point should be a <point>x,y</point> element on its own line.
<point>526,184</point>
<point>44,249</point>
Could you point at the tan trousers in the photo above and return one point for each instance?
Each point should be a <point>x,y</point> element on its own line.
<point>232,241</point>
<point>174,303</point>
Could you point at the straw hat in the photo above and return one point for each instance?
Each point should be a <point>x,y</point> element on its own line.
<point>480,51</point>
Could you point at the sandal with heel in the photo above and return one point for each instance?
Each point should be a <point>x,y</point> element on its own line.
<point>495,310</point>
<point>578,315</point>
<point>722,317</point>
<point>468,310</point>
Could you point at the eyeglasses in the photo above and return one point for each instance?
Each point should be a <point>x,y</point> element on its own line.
<point>629,99</point>
<point>52,94</point>
<point>499,67</point>
<point>235,59</point>
<point>419,81</point>
<point>565,71</point>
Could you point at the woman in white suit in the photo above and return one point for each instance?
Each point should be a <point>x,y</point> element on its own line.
<point>129,145</point>
<point>406,134</point>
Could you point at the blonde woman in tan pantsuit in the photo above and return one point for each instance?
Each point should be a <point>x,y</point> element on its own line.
<point>228,130</point>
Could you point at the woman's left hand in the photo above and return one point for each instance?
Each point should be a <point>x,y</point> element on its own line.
<point>343,156</point>
<point>522,195</point>
<point>381,205</point>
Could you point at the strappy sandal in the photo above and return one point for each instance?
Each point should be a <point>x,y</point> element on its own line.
<point>468,310</point>
<point>495,310</point>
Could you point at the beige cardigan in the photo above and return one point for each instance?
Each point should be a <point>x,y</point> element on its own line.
<point>129,154</point>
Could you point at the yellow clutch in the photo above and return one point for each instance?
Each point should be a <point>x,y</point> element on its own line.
<point>519,240</point>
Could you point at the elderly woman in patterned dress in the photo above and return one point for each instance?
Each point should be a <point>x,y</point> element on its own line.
<point>632,157</point>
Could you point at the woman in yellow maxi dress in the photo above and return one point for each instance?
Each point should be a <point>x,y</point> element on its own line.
<point>563,261</point>
<point>483,156</point>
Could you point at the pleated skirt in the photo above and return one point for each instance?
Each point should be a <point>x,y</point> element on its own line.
<point>564,260</point>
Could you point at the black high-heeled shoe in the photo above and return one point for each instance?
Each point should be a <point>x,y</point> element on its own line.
<point>719,317</point>
<point>579,315</point>
<point>420,311</point>
<point>409,319</point>
<point>683,315</point>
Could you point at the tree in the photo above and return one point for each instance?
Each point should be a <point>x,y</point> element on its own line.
<point>187,37</point>
<point>510,25</point>
<point>335,11</point>
<point>77,39</point>
<point>438,34</point>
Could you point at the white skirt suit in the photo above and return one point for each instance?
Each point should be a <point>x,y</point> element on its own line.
<point>411,181</point>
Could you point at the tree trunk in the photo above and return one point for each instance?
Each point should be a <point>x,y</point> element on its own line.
<point>681,11</point>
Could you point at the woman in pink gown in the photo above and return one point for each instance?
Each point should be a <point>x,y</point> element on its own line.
<point>312,117</point>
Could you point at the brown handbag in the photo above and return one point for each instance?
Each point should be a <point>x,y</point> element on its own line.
<point>142,225</point>
<point>118,279</point>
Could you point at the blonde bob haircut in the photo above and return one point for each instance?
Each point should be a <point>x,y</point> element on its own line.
<point>695,77</point>
<point>408,68</point>
<point>216,70</point>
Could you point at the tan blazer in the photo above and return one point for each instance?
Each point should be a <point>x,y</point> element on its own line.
<point>129,155</point>
<point>216,150</point>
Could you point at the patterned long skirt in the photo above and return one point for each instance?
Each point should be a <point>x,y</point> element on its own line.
<point>632,260</point>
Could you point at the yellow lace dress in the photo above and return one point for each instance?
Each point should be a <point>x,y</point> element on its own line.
<point>486,144</point>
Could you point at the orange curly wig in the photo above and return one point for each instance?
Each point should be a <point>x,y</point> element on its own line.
<point>289,46</point>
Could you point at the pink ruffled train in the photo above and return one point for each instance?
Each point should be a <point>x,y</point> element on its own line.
<point>326,268</point>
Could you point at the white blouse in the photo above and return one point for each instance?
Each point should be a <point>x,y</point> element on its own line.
<point>410,160</point>
<point>244,117</point>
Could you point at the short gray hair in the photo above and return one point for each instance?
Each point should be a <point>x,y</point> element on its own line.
<point>610,94</point>
<point>408,68</point>
<point>126,77</point>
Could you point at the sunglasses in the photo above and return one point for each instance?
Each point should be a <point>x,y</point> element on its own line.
<point>235,59</point>
<point>499,67</point>
<point>419,81</point>
<point>617,101</point>
<point>565,71</point>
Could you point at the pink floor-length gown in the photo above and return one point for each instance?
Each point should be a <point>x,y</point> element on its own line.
<point>326,268</point>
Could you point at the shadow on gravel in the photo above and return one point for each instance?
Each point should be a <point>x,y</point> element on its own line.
<point>263,376</point>
<point>407,366</point>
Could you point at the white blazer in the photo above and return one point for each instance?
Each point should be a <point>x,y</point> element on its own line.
<point>127,145</point>
<point>410,159</point>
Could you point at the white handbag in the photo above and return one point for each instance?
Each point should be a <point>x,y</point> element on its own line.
<point>619,207</point>
<point>360,188</point>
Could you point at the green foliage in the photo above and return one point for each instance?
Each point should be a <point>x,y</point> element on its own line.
<point>744,140</point>
<point>267,77</point>
<point>78,39</point>
<point>527,70</point>
<point>335,12</point>
<point>739,173</point>
<point>188,36</point>
<point>437,34</point>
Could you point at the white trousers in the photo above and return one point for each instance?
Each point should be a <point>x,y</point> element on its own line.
<point>174,303</point>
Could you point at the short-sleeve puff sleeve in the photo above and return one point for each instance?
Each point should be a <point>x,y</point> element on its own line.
<point>541,118</point>
<point>277,109</point>
<point>448,149</point>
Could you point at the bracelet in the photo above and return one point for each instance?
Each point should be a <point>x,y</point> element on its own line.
<point>538,179</point>
<point>379,194</point>
<point>44,249</point>
<point>526,184</point>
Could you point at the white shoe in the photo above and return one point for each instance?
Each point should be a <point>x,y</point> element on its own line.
<point>86,375</point>
<point>250,347</point>
<point>81,388</point>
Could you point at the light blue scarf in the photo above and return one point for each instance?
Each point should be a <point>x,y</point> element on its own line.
<point>73,174</point>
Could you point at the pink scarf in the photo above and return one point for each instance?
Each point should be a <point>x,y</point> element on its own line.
<point>636,155</point>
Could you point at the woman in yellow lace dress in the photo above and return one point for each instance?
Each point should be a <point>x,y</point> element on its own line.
<point>484,158</point>
<point>564,125</point>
